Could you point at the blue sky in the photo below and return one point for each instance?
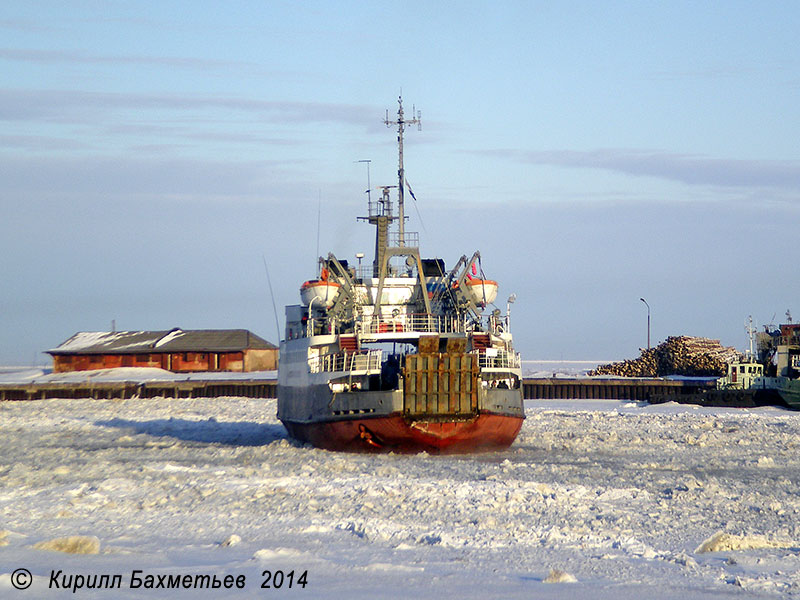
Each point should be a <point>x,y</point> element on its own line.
<point>154,154</point>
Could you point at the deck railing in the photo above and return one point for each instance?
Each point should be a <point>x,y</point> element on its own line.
<point>497,358</point>
<point>410,324</point>
<point>370,361</point>
<point>365,362</point>
<point>416,323</point>
<point>410,239</point>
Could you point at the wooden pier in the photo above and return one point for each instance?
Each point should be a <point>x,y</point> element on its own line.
<point>253,388</point>
<point>603,388</point>
<point>550,388</point>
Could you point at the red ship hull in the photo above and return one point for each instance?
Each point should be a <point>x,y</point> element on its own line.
<point>393,433</point>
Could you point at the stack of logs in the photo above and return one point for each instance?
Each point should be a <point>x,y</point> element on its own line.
<point>680,355</point>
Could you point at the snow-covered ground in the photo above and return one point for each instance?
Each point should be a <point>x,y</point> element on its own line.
<point>629,500</point>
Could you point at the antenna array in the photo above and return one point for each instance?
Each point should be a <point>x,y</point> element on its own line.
<point>401,122</point>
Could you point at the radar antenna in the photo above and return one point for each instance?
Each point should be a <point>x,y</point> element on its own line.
<point>369,185</point>
<point>401,122</point>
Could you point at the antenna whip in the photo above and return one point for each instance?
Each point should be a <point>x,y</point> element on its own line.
<point>271,295</point>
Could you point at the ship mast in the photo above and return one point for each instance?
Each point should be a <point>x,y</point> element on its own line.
<point>401,122</point>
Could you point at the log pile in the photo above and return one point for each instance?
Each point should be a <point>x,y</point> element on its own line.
<point>679,355</point>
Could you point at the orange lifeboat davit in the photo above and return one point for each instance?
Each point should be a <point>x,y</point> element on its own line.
<point>319,293</point>
<point>483,291</point>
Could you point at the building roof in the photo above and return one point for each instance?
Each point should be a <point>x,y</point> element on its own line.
<point>36,376</point>
<point>175,340</point>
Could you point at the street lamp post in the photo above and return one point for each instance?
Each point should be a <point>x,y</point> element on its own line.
<point>648,321</point>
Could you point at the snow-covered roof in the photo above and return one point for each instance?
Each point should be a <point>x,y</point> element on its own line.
<point>175,340</point>
<point>127,375</point>
<point>109,341</point>
<point>172,335</point>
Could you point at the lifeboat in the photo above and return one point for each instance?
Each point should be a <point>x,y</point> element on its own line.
<point>321,292</point>
<point>483,291</point>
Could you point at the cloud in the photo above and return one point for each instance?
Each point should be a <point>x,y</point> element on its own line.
<point>710,72</point>
<point>72,106</point>
<point>39,143</point>
<point>74,57</point>
<point>684,168</point>
<point>157,179</point>
<point>23,25</point>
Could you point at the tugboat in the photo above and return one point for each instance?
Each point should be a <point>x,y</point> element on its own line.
<point>401,355</point>
<point>781,353</point>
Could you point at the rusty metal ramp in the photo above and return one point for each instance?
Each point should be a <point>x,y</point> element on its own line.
<point>440,385</point>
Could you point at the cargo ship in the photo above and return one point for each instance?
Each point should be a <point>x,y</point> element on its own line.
<point>401,354</point>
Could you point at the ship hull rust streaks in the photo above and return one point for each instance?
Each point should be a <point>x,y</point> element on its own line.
<point>394,433</point>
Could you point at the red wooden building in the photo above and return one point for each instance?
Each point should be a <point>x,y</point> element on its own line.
<point>174,350</point>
